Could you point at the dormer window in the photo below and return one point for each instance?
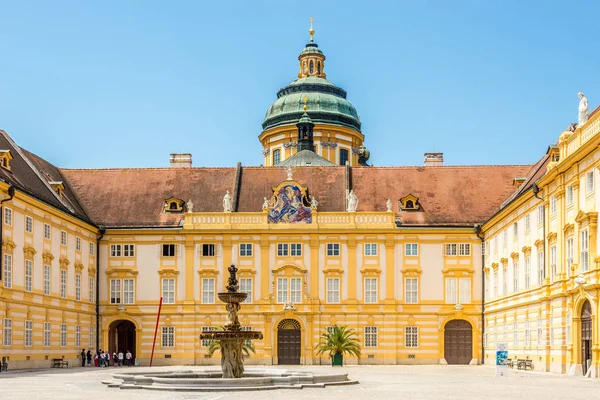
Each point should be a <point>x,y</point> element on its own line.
<point>5,158</point>
<point>409,203</point>
<point>173,205</point>
<point>58,186</point>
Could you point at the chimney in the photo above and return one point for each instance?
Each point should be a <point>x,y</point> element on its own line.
<point>434,159</point>
<point>181,160</point>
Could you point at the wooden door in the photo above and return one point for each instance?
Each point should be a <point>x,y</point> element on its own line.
<point>288,343</point>
<point>458,342</point>
<point>586,335</point>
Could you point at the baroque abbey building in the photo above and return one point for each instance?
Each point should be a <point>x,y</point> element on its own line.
<point>430,264</point>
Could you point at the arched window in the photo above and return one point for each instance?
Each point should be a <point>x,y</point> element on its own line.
<point>318,67</point>
<point>276,156</point>
<point>343,156</point>
<point>410,204</point>
<point>173,206</point>
<point>311,67</point>
<point>304,66</point>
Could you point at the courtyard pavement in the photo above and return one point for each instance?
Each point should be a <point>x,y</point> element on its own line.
<point>376,383</point>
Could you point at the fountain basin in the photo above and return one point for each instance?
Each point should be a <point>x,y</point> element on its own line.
<point>232,297</point>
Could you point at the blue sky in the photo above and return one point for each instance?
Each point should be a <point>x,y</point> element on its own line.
<point>124,83</point>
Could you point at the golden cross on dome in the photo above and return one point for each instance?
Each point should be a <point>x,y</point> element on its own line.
<point>311,30</point>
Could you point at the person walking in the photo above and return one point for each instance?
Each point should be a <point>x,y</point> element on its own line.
<point>129,357</point>
<point>83,357</point>
<point>120,356</point>
<point>88,358</point>
<point>114,359</point>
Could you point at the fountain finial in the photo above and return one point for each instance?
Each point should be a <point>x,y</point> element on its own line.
<point>232,282</point>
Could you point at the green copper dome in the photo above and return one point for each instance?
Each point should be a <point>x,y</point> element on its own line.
<point>326,104</point>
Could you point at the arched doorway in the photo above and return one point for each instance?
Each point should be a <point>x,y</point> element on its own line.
<point>586,335</point>
<point>288,342</point>
<point>121,337</point>
<point>458,342</point>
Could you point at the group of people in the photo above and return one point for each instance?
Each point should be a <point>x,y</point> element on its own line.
<point>105,359</point>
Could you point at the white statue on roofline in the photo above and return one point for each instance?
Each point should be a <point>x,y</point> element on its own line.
<point>583,109</point>
<point>351,201</point>
<point>388,205</point>
<point>190,206</point>
<point>227,202</point>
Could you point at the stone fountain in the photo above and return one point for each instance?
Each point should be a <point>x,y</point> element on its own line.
<point>232,337</point>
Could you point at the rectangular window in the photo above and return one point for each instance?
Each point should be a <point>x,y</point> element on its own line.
<point>552,205</point>
<point>7,271</point>
<point>128,250</point>
<point>505,239</point>
<point>527,273</point>
<point>47,275</point>
<point>208,290</point>
<point>569,195</point>
<point>282,290</point>
<point>8,331</point>
<point>296,290</point>
<point>465,290</point>
<point>296,249</point>
<point>411,249</point>
<point>47,334</point>
<point>333,290</point>
<point>168,336</point>
<point>28,275</point>
<point>246,287</point>
<point>527,334</point>
<point>540,332</point>
<point>333,249</point>
<point>47,231</point>
<point>91,337</point>
<point>78,243</point>
<point>78,287</point>
<point>527,223</point>
<point>7,216</point>
<point>515,231</point>
<point>282,249</point>
<point>569,256</point>
<point>128,291</point>
<point>451,290</point>
<point>115,291</point>
<point>370,249</point>
<point>168,291</point>
<point>464,249</point>
<point>63,238</point>
<point>450,249</point>
<point>28,333</point>
<point>371,290</point>
<point>207,342</point>
<point>487,287</point>
<point>504,281</point>
<point>515,334</point>
<point>92,289</point>
<point>540,266</point>
<point>63,335</point>
<point>540,214</point>
<point>208,250</point>
<point>28,224</point>
<point>276,156</point>
<point>77,336</point>
<point>371,336</point>
<point>496,284</point>
<point>552,262</point>
<point>585,261</point>
<point>115,250</point>
<point>343,156</point>
<point>411,290</point>
<point>411,336</point>
<point>246,250</point>
<point>515,277</point>
<point>168,250</point>
<point>91,249</point>
<point>589,182</point>
<point>63,283</point>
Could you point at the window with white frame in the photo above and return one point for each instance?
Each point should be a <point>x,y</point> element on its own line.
<point>464,290</point>
<point>128,291</point>
<point>289,290</point>
<point>333,249</point>
<point>8,271</point>
<point>296,249</point>
<point>411,336</point>
<point>370,290</point>
<point>91,249</point>
<point>552,261</point>
<point>276,156</point>
<point>540,214</point>
<point>540,266</point>
<point>495,294</point>
<point>208,290</point>
<point>168,336</point>
<point>128,250</point>
<point>207,342</point>
<point>168,250</point>
<point>208,250</point>
<point>505,239</point>
<point>47,231</point>
<point>464,249</point>
<point>569,245</point>
<point>92,289</point>
<point>246,287</point>
<point>28,333</point>
<point>515,334</point>
<point>28,224</point>
<point>452,290</point>
<point>333,290</point>
<point>527,334</point>
<point>28,275</point>
<point>411,290</point>
<point>584,254</point>
<point>47,275</point>
<point>77,243</point>
<point>370,249</point>
<point>63,238</point>
<point>296,290</point>
<point>47,334</point>
<point>282,249</point>
<point>168,290</point>
<point>569,195</point>
<point>451,249</point>
<point>77,336</point>
<point>515,277</point>
<point>411,249</point>
<point>589,182</point>
<point>552,205</point>
<point>116,250</point>
<point>115,291</point>
<point>527,223</point>
<point>515,231</point>
<point>63,283</point>
<point>246,250</point>
<point>91,334</point>
<point>7,216</point>
<point>371,336</point>
<point>77,287</point>
<point>504,281</point>
<point>8,331</point>
<point>63,335</point>
<point>496,244</point>
<point>540,332</point>
<point>527,273</point>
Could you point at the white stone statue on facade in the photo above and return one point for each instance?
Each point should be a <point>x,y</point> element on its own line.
<point>313,202</point>
<point>190,206</point>
<point>265,203</point>
<point>289,172</point>
<point>583,109</point>
<point>388,205</point>
<point>351,201</point>
<point>227,202</point>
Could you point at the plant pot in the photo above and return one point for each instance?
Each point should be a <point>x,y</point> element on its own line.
<point>337,359</point>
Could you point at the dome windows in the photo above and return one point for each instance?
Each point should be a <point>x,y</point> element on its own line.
<point>311,67</point>
<point>319,68</point>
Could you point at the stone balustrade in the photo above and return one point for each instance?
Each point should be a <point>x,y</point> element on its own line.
<point>582,135</point>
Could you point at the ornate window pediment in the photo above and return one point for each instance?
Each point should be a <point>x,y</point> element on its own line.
<point>409,203</point>
<point>5,158</point>
<point>58,186</point>
<point>587,218</point>
<point>173,205</point>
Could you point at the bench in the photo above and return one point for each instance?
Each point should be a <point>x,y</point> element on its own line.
<point>59,363</point>
<point>510,363</point>
<point>525,364</point>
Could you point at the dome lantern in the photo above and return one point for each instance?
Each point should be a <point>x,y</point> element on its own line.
<point>311,59</point>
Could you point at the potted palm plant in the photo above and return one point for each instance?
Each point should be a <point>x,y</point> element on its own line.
<point>337,342</point>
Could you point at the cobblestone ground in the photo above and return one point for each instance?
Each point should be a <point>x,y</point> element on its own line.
<point>376,383</point>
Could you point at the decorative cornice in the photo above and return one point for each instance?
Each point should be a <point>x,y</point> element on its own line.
<point>122,271</point>
<point>326,144</point>
<point>526,250</point>
<point>208,271</point>
<point>494,266</point>
<point>552,236</point>
<point>287,145</point>
<point>293,266</point>
<point>504,261</point>
<point>514,255</point>
<point>370,271</point>
<point>538,243</point>
<point>8,245</point>
<point>333,271</point>
<point>64,262</point>
<point>568,228</point>
<point>78,266</point>
<point>168,271</point>
<point>47,257</point>
<point>29,251</point>
<point>585,219</point>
